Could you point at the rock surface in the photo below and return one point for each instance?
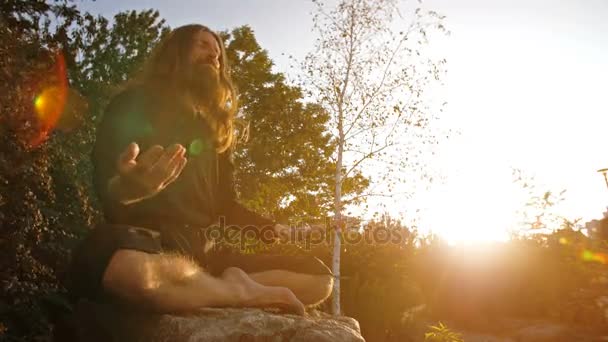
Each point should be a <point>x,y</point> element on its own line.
<point>210,325</point>
<point>256,325</point>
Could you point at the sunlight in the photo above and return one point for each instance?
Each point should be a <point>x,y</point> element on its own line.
<point>455,228</point>
<point>473,206</point>
<point>511,123</point>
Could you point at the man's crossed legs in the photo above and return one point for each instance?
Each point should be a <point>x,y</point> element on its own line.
<point>131,268</point>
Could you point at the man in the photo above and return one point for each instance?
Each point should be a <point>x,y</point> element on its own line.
<point>163,172</point>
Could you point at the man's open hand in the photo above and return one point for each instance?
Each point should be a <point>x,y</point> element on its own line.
<point>142,177</point>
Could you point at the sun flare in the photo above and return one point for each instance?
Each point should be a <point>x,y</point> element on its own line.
<point>473,208</point>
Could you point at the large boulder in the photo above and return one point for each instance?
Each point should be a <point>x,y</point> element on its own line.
<point>256,325</point>
<point>93,322</point>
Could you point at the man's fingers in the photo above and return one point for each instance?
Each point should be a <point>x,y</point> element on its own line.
<point>163,164</point>
<point>166,165</point>
<point>176,172</point>
<point>177,164</point>
<point>176,159</point>
<point>172,170</point>
<point>126,160</point>
<point>149,158</point>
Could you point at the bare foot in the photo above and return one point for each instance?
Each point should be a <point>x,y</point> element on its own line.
<point>255,294</point>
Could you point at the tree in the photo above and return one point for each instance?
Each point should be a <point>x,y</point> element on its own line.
<point>102,55</point>
<point>540,212</point>
<point>46,200</point>
<point>379,289</point>
<point>33,236</point>
<point>283,170</point>
<point>371,79</point>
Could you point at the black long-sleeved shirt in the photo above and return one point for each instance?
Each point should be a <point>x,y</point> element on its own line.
<point>202,193</point>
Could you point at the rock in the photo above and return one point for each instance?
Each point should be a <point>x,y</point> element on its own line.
<point>222,324</point>
<point>256,325</point>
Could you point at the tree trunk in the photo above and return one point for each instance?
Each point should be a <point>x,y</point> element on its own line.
<point>337,233</point>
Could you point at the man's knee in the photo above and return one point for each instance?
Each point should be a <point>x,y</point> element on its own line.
<point>326,282</point>
<point>130,274</point>
<point>319,289</point>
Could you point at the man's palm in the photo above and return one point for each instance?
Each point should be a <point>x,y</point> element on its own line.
<point>151,172</point>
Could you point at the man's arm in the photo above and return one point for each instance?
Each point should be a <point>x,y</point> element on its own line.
<point>122,175</point>
<point>144,177</point>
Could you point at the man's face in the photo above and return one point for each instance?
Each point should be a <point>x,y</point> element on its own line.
<point>205,50</point>
<point>202,75</point>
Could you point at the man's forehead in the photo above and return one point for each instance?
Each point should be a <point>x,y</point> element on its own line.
<point>205,36</point>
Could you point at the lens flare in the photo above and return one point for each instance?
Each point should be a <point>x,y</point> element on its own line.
<point>49,105</point>
<point>591,256</point>
<point>196,147</point>
<point>50,101</point>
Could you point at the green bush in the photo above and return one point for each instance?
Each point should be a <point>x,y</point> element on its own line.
<point>44,193</point>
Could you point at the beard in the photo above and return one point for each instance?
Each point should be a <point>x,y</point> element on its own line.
<point>202,81</point>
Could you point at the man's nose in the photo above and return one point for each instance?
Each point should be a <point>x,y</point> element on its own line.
<point>214,58</point>
<point>214,55</point>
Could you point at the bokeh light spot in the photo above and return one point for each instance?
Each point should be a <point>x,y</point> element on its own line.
<point>196,147</point>
<point>587,255</point>
<point>38,103</point>
<point>49,105</point>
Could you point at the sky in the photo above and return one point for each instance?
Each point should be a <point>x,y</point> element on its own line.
<point>524,90</point>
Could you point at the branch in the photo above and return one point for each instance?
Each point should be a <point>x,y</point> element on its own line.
<point>357,133</point>
<point>385,73</point>
<point>356,151</point>
<point>346,78</point>
<point>368,155</point>
<point>376,195</point>
<point>327,16</point>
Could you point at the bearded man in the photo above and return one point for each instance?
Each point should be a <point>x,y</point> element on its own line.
<point>163,172</point>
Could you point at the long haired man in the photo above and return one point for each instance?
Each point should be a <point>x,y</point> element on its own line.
<point>163,172</point>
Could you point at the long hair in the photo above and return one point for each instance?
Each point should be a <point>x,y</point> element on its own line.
<point>163,69</point>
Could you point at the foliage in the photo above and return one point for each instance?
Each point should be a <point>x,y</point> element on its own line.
<point>540,211</point>
<point>284,169</point>
<point>441,333</point>
<point>47,204</point>
<point>376,271</point>
<point>393,289</point>
<point>377,284</point>
<point>103,55</point>
<point>371,78</point>
<point>37,227</point>
<point>532,277</point>
<point>46,200</point>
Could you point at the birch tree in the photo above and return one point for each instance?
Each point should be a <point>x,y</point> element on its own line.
<point>282,170</point>
<point>369,71</point>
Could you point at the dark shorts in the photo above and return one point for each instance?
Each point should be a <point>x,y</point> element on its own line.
<point>92,256</point>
